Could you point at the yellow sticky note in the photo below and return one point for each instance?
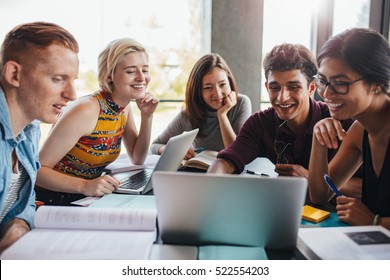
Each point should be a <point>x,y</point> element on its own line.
<point>313,214</point>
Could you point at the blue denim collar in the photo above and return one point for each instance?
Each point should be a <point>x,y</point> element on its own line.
<point>5,121</point>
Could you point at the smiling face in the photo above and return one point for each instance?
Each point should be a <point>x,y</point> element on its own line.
<point>351,104</point>
<point>131,78</point>
<point>215,86</point>
<point>47,83</point>
<point>289,95</point>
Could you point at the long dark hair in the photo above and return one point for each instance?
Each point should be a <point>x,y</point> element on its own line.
<point>194,104</point>
<point>366,51</point>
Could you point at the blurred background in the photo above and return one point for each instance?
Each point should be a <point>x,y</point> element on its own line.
<point>176,33</point>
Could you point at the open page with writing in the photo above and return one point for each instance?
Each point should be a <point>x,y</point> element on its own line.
<point>87,233</point>
<point>95,218</point>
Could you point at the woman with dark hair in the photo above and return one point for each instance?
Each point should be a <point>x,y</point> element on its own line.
<point>212,104</point>
<point>353,79</point>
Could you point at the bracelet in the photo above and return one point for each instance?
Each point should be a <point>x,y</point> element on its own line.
<point>376,220</point>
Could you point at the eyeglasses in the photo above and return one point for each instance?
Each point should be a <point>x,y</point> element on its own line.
<point>338,87</point>
<point>280,147</point>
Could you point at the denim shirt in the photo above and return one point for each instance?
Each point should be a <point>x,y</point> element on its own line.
<point>26,146</point>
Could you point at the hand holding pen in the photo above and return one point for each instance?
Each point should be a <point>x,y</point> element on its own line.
<point>351,210</point>
<point>198,150</point>
<point>192,152</point>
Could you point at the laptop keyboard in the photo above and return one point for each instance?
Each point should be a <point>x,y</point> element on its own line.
<point>137,180</point>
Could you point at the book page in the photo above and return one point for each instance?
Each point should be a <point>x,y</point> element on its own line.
<point>69,217</point>
<point>57,244</point>
<point>203,159</point>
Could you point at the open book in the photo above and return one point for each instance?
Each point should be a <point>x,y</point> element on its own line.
<point>202,161</point>
<point>66,232</point>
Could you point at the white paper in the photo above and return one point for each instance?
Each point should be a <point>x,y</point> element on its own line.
<point>262,165</point>
<point>115,200</point>
<point>56,244</point>
<point>333,244</point>
<point>123,163</point>
<point>70,217</point>
<point>86,201</point>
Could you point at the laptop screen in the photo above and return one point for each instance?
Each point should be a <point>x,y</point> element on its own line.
<point>246,210</point>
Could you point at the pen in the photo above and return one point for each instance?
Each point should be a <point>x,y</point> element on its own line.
<point>329,182</point>
<point>198,150</point>
<point>256,173</point>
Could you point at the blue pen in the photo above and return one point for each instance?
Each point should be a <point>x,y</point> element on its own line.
<point>331,185</point>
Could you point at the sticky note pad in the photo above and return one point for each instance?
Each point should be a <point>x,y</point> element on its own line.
<point>313,214</point>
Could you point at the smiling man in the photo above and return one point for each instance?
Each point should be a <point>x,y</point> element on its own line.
<point>38,66</point>
<point>282,133</point>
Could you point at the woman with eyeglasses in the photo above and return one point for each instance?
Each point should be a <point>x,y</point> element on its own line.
<point>354,80</point>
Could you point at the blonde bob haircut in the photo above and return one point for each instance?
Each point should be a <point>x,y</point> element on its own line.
<point>111,56</point>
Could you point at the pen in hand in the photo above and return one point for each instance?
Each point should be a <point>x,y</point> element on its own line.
<point>331,185</point>
<point>198,150</point>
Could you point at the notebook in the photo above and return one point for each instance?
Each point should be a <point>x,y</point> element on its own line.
<point>216,209</point>
<point>170,160</point>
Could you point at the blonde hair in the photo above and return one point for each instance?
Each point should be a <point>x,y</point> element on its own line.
<point>111,56</point>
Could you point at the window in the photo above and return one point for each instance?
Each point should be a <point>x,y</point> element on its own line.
<point>292,24</point>
<point>172,37</point>
<point>348,14</point>
<point>298,22</point>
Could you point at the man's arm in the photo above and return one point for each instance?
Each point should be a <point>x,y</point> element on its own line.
<point>11,232</point>
<point>221,166</point>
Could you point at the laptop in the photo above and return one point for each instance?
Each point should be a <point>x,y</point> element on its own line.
<point>140,181</point>
<point>244,210</point>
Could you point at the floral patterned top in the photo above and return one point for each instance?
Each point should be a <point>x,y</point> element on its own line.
<point>95,151</point>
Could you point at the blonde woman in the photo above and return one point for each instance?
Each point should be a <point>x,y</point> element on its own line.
<point>88,135</point>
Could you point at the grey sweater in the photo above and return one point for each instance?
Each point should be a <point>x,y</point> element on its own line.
<point>213,139</point>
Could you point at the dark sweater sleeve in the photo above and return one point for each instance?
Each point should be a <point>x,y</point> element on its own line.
<point>247,145</point>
